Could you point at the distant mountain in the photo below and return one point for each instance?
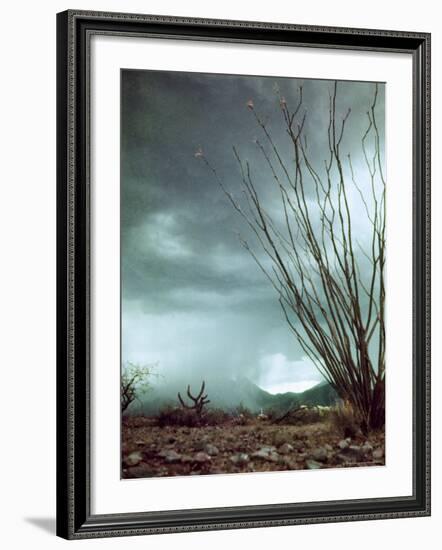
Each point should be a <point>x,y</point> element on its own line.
<point>228,394</point>
<point>321,394</point>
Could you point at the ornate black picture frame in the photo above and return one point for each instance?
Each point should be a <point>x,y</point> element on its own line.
<point>74,517</point>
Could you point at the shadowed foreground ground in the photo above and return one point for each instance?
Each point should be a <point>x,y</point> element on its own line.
<point>150,451</point>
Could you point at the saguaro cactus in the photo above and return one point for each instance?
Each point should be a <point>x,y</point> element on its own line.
<point>198,401</point>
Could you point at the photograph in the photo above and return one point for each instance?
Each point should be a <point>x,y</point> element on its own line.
<point>253,253</point>
<point>243,302</point>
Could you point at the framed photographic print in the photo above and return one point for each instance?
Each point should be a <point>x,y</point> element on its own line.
<point>243,274</point>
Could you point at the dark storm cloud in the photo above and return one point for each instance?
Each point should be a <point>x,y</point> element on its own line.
<point>180,248</point>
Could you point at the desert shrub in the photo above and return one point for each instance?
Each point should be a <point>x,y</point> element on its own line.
<point>179,416</point>
<point>176,416</point>
<point>135,381</point>
<point>131,421</point>
<point>301,416</point>
<point>240,420</point>
<point>215,417</point>
<point>272,414</point>
<point>345,419</point>
<point>242,415</point>
<point>245,411</point>
<point>307,415</point>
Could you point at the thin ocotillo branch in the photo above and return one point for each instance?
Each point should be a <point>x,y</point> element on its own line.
<point>331,294</point>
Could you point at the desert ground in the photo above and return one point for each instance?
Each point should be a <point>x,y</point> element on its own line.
<point>150,449</point>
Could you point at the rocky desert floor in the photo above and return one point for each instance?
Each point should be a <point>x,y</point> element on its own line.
<point>152,451</point>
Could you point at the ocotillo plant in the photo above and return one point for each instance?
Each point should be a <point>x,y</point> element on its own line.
<point>332,295</point>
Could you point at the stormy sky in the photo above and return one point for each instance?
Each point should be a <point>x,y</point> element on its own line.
<point>193,300</point>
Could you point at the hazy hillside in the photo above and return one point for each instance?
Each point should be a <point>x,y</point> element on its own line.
<point>229,394</point>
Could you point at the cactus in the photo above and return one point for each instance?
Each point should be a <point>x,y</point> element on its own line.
<point>198,401</point>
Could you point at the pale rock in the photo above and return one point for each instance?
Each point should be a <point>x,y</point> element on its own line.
<point>133,459</point>
<point>202,457</point>
<point>211,450</point>
<point>378,454</point>
<point>367,448</point>
<point>266,453</point>
<point>240,458</point>
<point>313,465</point>
<point>172,456</point>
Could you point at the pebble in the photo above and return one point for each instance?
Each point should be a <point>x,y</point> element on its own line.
<point>172,456</point>
<point>313,465</point>
<point>378,454</point>
<point>240,458</point>
<point>266,453</point>
<point>367,448</point>
<point>201,457</point>
<point>133,459</point>
<point>211,450</point>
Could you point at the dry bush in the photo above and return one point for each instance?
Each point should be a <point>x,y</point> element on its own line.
<point>308,415</point>
<point>345,419</point>
<point>243,416</point>
<point>135,381</point>
<point>178,416</point>
<point>301,416</point>
<point>215,417</point>
<point>272,414</point>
